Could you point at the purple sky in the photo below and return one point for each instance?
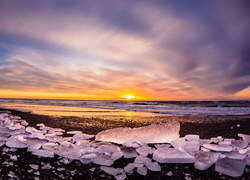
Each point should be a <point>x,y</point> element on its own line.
<point>165,50</point>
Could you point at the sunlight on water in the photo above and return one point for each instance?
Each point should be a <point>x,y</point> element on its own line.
<point>53,110</point>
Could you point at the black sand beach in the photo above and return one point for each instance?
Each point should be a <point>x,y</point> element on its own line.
<point>18,162</point>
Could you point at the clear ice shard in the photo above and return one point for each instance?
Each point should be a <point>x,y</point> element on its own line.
<point>219,147</point>
<point>203,160</point>
<point>155,133</point>
<point>231,167</point>
<point>171,155</point>
<point>43,153</point>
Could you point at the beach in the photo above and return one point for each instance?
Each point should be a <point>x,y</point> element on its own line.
<point>24,165</point>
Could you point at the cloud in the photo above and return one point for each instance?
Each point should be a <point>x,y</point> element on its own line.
<point>194,49</point>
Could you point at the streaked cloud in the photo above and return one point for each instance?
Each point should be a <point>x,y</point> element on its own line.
<point>171,50</point>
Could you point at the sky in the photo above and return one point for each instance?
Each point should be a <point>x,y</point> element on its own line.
<point>150,50</point>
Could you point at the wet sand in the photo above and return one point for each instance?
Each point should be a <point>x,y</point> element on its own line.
<point>51,168</point>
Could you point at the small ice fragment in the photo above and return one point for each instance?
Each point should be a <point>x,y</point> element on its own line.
<point>162,145</point>
<point>74,132</point>
<point>246,150</point>
<point>107,148</point>
<point>205,141</point>
<point>154,166</point>
<point>170,173</point>
<point>192,137</point>
<point>132,144</point>
<point>171,155</point>
<point>104,160</point>
<point>43,153</point>
<point>129,152</point>
<point>239,144</point>
<point>40,125</point>
<point>245,137</point>
<point>231,167</point>
<point>179,144</point>
<point>34,166</point>
<point>116,155</point>
<point>155,133</point>
<point>203,160</point>
<point>88,158</point>
<point>142,171</point>
<point>15,143</point>
<point>82,136</point>
<point>192,146</point>
<point>238,125</point>
<point>111,170</point>
<point>120,176</point>
<point>235,155</point>
<point>71,154</point>
<point>142,160</point>
<point>2,142</point>
<point>215,147</point>
<point>129,167</point>
<point>144,150</point>
<point>217,139</point>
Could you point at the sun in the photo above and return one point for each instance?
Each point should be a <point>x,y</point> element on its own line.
<point>129,97</point>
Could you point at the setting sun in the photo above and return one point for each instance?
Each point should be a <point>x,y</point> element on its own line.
<point>129,97</point>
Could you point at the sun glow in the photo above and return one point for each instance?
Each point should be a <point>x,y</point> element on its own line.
<point>129,97</point>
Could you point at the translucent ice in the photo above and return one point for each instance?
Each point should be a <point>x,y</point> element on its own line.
<point>104,160</point>
<point>192,137</point>
<point>154,166</point>
<point>215,147</point>
<point>116,155</point>
<point>15,143</point>
<point>203,160</point>
<point>128,152</point>
<point>144,150</point>
<point>43,153</point>
<point>107,148</point>
<point>179,144</point>
<point>155,133</point>
<point>231,167</point>
<point>142,171</point>
<point>171,155</point>
<point>71,154</point>
<point>142,160</point>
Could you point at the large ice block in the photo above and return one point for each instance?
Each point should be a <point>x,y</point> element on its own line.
<point>155,133</point>
<point>231,167</point>
<point>203,160</point>
<point>171,155</point>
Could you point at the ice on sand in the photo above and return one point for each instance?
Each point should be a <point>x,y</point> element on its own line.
<point>231,167</point>
<point>203,160</point>
<point>155,133</point>
<point>171,155</point>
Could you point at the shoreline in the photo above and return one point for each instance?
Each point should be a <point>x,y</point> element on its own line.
<point>226,126</point>
<point>51,168</point>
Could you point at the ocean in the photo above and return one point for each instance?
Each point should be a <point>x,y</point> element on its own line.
<point>102,108</point>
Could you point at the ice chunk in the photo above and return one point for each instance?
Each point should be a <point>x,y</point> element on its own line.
<point>2,142</point>
<point>88,158</point>
<point>82,136</point>
<point>235,155</point>
<point>179,144</point>
<point>15,143</point>
<point>129,167</point>
<point>71,154</point>
<point>142,171</point>
<point>116,155</point>
<point>43,153</point>
<point>215,147</point>
<point>192,146</point>
<point>246,150</point>
<point>205,141</point>
<point>111,170</point>
<point>128,152</point>
<point>231,167</point>
<point>171,155</point>
<point>192,137</point>
<point>110,148</point>
<point>155,133</point>
<point>239,144</point>
<point>203,160</point>
<point>142,160</point>
<point>217,139</point>
<point>133,144</point>
<point>154,166</point>
<point>245,137</point>
<point>74,132</point>
<point>162,145</point>
<point>144,150</point>
<point>104,160</point>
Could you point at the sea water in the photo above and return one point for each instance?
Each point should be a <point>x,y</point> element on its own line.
<point>126,108</point>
